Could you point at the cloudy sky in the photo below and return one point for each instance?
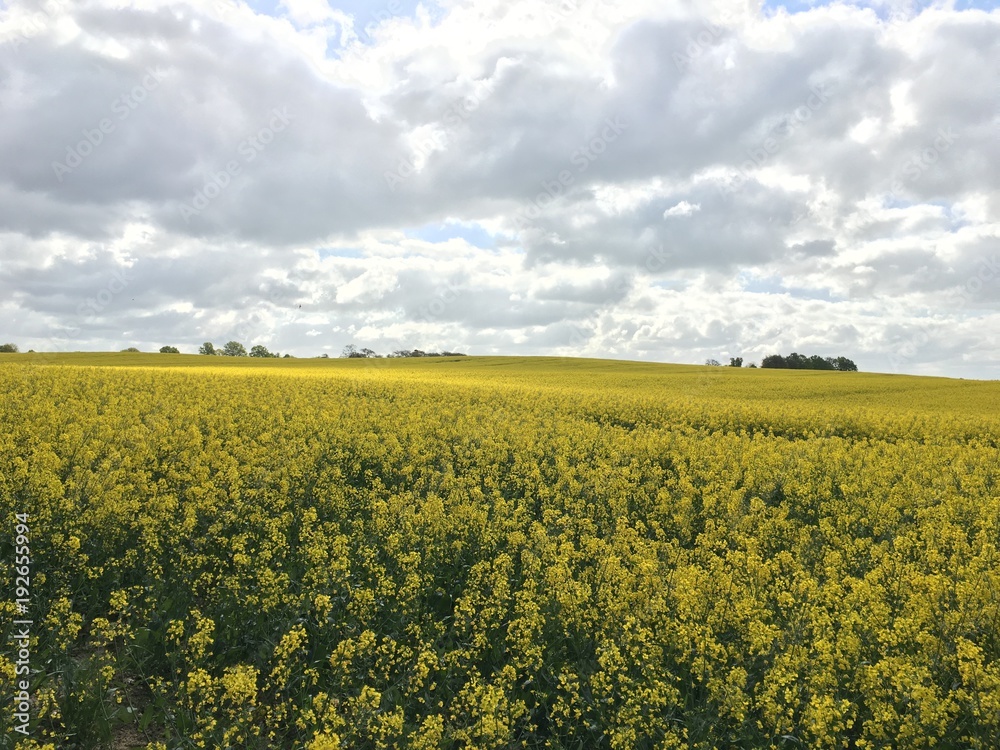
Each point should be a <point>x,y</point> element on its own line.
<point>650,180</point>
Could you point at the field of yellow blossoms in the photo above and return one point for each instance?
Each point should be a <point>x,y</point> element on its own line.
<point>496,553</point>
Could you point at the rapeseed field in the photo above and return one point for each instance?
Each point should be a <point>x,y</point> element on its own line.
<point>487,552</point>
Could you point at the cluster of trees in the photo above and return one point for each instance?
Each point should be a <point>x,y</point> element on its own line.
<point>236,349</point>
<point>796,361</point>
<point>733,362</point>
<point>9,349</point>
<point>352,352</point>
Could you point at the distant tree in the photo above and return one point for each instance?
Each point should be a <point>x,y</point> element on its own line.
<point>9,348</point>
<point>259,350</point>
<point>736,361</point>
<point>753,365</point>
<point>207,348</point>
<point>713,363</point>
<point>130,349</point>
<point>795,361</point>
<point>287,356</point>
<point>352,352</point>
<point>773,360</point>
<point>452,354</point>
<point>324,356</point>
<point>234,349</point>
<point>169,350</point>
<point>843,364</point>
<point>401,353</point>
<point>817,362</point>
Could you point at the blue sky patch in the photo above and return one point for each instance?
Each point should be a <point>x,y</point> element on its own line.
<point>474,234</point>
<point>770,7</point>
<point>675,285</point>
<point>367,14</point>
<point>775,285</point>
<point>339,252</point>
<point>266,7</point>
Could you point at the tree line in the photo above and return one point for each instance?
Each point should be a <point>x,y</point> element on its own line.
<point>352,352</point>
<point>794,361</point>
<point>236,349</point>
<point>231,349</point>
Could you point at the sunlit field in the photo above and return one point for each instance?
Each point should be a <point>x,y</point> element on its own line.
<point>490,552</point>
